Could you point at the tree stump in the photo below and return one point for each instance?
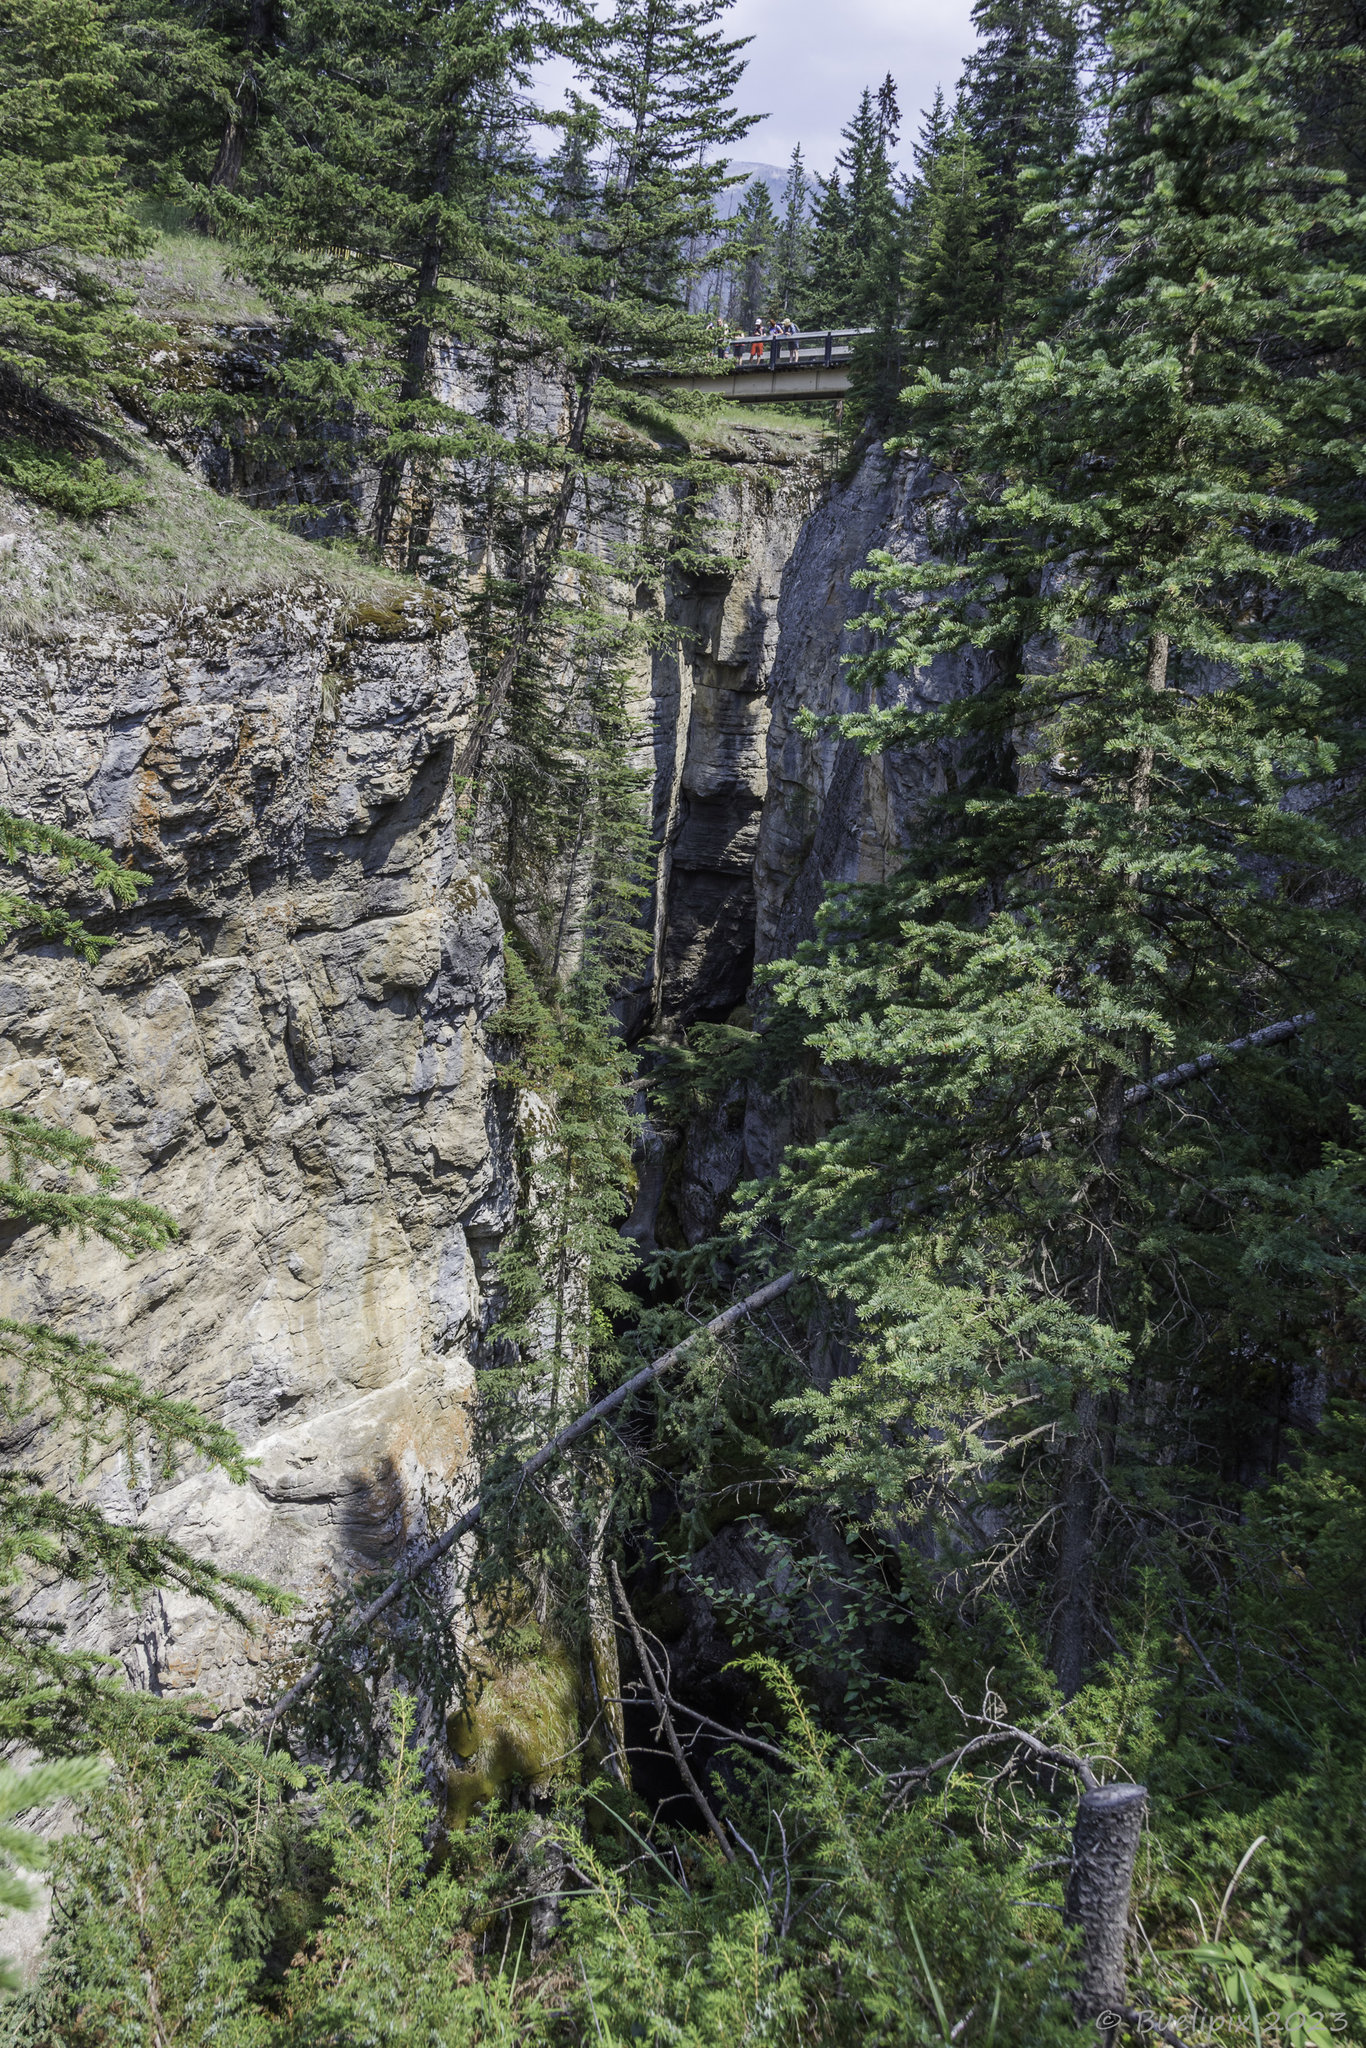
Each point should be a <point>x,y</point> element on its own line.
<point>1104,1845</point>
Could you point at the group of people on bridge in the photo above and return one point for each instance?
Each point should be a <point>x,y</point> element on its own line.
<point>763,334</point>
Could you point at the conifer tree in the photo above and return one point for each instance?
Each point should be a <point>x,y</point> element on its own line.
<point>189,105</point>
<point>1143,850</point>
<point>856,232</point>
<point>753,233</point>
<point>792,249</point>
<point>953,282</point>
<point>391,145</point>
<point>1023,114</point>
<point>66,332</point>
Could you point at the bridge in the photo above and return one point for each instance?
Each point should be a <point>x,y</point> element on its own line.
<point>762,368</point>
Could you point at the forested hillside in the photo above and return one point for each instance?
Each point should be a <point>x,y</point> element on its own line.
<point>560,1485</point>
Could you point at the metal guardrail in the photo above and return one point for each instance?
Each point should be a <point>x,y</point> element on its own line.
<point>767,352</point>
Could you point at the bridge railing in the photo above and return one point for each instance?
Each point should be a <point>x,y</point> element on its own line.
<point>813,348</point>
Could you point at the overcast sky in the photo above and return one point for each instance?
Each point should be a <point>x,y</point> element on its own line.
<point>810,60</point>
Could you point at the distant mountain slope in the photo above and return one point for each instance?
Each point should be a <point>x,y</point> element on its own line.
<point>773,175</point>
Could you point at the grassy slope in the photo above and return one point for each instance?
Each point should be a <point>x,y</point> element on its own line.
<point>184,544</point>
<point>187,545</point>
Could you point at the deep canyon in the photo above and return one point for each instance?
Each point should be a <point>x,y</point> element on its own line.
<point>291,1046</point>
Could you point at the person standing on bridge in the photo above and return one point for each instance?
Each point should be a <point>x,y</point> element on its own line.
<point>790,330</point>
<point>756,347</point>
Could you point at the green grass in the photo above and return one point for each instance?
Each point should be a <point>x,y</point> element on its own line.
<point>187,276</point>
<point>752,431</point>
<point>183,546</point>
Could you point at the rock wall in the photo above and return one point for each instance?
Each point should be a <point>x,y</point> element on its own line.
<point>712,695</point>
<point>288,1052</point>
<point>793,811</point>
<point>288,1047</point>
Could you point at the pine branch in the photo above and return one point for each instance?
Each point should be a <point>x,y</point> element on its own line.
<point>26,838</point>
<point>130,1225</point>
<point>91,1392</point>
<point>75,1541</point>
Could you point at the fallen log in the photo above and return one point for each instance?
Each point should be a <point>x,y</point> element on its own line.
<point>570,1434</point>
<point>1190,1070</point>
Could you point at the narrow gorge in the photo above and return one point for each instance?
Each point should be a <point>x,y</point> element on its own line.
<point>290,1047</point>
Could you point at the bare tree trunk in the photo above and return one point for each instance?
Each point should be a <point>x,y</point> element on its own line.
<point>602,1647</point>
<point>1159,650</point>
<point>1105,1839</point>
<point>699,1797</point>
<point>414,380</point>
<point>542,1857</point>
<point>241,119</point>
<point>1073,1597</point>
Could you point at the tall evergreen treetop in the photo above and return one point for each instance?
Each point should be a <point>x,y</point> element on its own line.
<point>753,234</point>
<point>391,146</point>
<point>64,328</point>
<point>1137,858</point>
<point>792,248</point>
<point>952,272</point>
<point>857,217</point>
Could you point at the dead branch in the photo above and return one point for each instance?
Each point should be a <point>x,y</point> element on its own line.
<point>666,1720</point>
<point>570,1434</point>
<point>1178,1077</point>
<point>754,1742</point>
<point>1044,1752</point>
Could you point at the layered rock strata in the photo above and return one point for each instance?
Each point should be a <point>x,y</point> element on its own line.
<point>286,1049</point>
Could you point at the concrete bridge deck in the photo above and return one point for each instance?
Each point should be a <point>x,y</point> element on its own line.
<point>807,365</point>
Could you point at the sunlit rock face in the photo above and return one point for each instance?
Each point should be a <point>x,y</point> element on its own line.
<point>287,1050</point>
<point>288,1047</point>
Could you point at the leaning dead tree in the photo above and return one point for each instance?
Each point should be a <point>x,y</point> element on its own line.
<point>1105,1838</point>
<point>423,1560</point>
<point>442,1545</point>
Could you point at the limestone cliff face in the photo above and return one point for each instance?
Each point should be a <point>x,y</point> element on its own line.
<point>814,810</point>
<point>712,691</point>
<point>288,1052</point>
<point>832,815</point>
<point>288,1047</point>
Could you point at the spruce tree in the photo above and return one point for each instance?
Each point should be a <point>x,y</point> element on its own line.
<point>952,274</point>
<point>791,255</point>
<point>1023,114</point>
<point>1080,1305</point>
<point>67,334</point>
<point>753,234</point>
<point>391,146</point>
<point>190,106</point>
<point>856,232</point>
